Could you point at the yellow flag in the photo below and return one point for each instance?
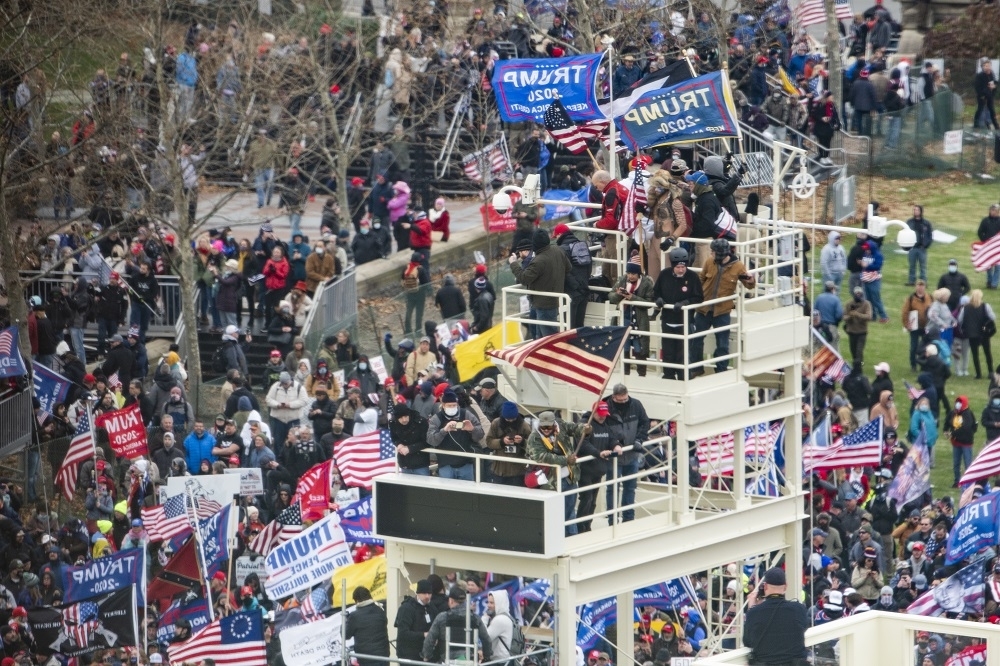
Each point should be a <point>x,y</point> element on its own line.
<point>471,357</point>
<point>370,574</point>
<point>786,82</point>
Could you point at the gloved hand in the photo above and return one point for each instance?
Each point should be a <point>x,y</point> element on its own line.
<point>666,243</point>
<point>678,305</point>
<point>742,169</point>
<point>729,156</point>
<point>659,303</point>
<point>387,337</point>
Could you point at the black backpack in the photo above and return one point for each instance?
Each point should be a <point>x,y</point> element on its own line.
<point>219,363</point>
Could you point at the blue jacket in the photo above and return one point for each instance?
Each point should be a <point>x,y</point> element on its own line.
<point>694,629</point>
<point>187,70</point>
<point>830,308</point>
<point>198,449</point>
<point>925,419</point>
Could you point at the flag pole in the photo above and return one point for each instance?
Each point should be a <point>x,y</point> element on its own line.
<point>200,554</point>
<point>604,386</point>
<point>612,139</point>
<point>232,543</point>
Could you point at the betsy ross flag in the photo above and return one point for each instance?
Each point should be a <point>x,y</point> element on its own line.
<point>565,131</point>
<point>237,640</point>
<point>583,357</point>
<point>715,454</point>
<point>81,448</point>
<point>813,12</point>
<point>362,458</point>
<point>986,464</point>
<point>962,592</point>
<point>986,254</point>
<point>165,521</point>
<point>914,476</point>
<point>286,525</point>
<point>861,447</point>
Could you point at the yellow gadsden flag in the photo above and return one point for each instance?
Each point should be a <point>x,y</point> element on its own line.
<point>471,357</point>
<point>370,574</point>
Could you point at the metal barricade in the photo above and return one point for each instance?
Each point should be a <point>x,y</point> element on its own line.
<point>335,302</point>
<point>15,423</point>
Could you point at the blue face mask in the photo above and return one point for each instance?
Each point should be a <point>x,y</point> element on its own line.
<point>924,408</point>
<point>996,402</point>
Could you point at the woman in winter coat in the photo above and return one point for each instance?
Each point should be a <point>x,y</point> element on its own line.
<point>249,267</point>
<point>973,322</point>
<point>939,314</point>
<point>440,219</point>
<point>227,298</point>
<point>499,623</point>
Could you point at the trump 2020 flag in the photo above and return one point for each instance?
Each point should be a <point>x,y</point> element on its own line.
<point>214,535</point>
<point>356,519</point>
<point>975,528</point>
<point>694,110</point>
<point>11,363</point>
<point>961,593</point>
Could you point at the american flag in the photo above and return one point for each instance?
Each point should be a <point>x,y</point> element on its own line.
<point>114,381</point>
<point>80,621</point>
<point>826,364</point>
<point>237,640</point>
<point>636,197</point>
<point>715,454</point>
<point>80,448</point>
<point>362,458</point>
<point>286,525</point>
<point>568,133</point>
<point>913,478</point>
<point>583,357</point>
<point>492,157</point>
<point>986,464</point>
<point>168,520</point>
<point>308,607</point>
<point>962,592</point>
<point>986,254</point>
<point>813,12</point>
<point>861,447</point>
<point>204,507</point>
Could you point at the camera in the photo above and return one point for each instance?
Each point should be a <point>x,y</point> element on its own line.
<point>510,449</point>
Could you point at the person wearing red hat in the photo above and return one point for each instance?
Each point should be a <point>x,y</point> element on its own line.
<point>110,307</point>
<point>864,98</point>
<point>440,219</point>
<point>420,237</point>
<point>606,433</point>
<point>356,201</point>
<point>578,278</point>
<point>222,598</point>
<point>482,300</point>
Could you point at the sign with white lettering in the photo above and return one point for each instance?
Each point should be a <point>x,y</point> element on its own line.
<point>106,574</point>
<point>313,644</point>
<point>251,480</point>
<point>246,565</point>
<point>307,559</point>
<point>525,88</point>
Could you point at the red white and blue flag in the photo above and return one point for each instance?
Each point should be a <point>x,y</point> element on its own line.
<point>986,464</point>
<point>986,254</point>
<point>715,454</point>
<point>360,459</point>
<point>861,447</point>
<point>960,593</point>
<point>286,525</point>
<point>237,640</point>
<point>81,448</point>
<point>165,521</point>
<point>80,621</point>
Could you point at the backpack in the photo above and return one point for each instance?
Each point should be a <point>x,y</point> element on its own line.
<point>219,362</point>
<point>517,641</point>
<point>411,279</point>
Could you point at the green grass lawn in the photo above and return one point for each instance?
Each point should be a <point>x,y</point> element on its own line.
<point>954,205</point>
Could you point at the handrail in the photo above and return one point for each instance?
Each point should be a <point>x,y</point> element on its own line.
<point>563,322</point>
<point>454,130</point>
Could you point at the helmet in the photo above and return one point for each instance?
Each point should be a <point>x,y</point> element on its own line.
<point>720,246</point>
<point>678,255</point>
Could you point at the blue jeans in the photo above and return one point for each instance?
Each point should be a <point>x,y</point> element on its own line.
<point>702,322</point>
<point>76,337</point>
<point>895,128</point>
<point>993,277</point>
<point>570,506</point>
<point>960,455</point>
<point>106,328</point>
<point>465,472</point>
<point>227,319</point>
<point>917,256</point>
<point>627,492</point>
<point>279,431</point>
<point>546,314</point>
<point>140,316</point>
<point>263,182</point>
<point>295,220</point>
<point>416,471</point>
<point>873,294</point>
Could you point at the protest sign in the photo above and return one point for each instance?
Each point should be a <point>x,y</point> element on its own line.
<point>211,492</point>
<point>313,644</point>
<point>307,559</point>
<point>251,480</point>
<point>378,367</point>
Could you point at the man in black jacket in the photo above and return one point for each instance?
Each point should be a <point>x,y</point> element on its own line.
<point>409,433</point>
<point>918,253</point>
<point>368,626</point>
<point>578,278</point>
<point>413,621</point>
<point>241,390</point>
<point>120,360</point>
<point>322,411</point>
<point>110,305</point>
<point>775,627</point>
<point>864,100</point>
<point>985,84</point>
<point>635,430</point>
<point>674,289</point>
<point>605,436</point>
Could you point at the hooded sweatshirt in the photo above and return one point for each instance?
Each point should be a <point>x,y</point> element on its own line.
<point>247,436</point>
<point>500,625</point>
<point>961,423</point>
<point>886,408</point>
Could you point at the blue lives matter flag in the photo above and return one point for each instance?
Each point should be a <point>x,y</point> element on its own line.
<point>694,110</point>
<point>975,528</point>
<point>961,593</point>
<point>215,532</point>
<point>11,363</point>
